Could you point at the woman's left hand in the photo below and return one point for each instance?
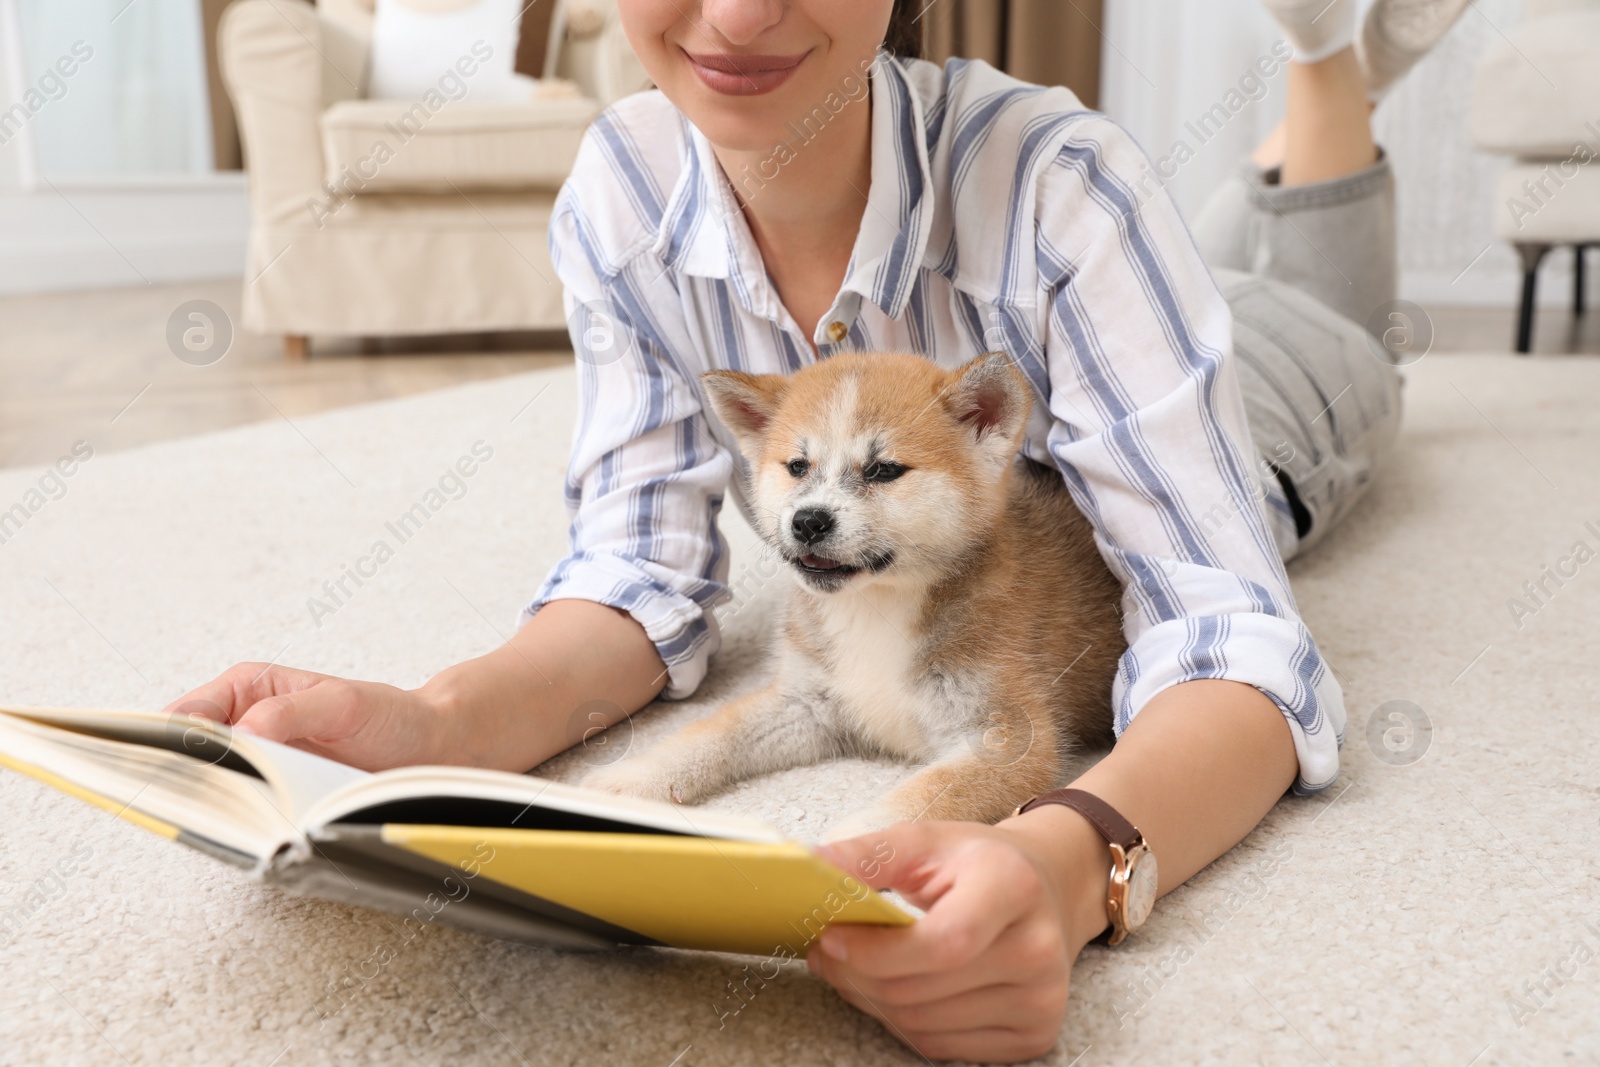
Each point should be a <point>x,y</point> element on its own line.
<point>984,974</point>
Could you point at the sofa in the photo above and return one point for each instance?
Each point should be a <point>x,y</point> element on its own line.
<point>374,218</point>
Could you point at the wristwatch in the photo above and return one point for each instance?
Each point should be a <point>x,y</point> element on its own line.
<point>1132,893</point>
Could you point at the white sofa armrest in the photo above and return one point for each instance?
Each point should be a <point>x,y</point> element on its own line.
<point>283,65</point>
<point>602,63</point>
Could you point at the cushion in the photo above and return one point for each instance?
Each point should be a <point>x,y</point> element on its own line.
<point>384,146</point>
<point>1537,90</point>
<point>419,44</point>
<point>1549,201</point>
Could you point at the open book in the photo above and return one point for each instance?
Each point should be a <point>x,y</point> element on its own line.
<point>507,855</point>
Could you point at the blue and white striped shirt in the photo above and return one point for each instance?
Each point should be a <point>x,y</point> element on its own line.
<point>1001,216</point>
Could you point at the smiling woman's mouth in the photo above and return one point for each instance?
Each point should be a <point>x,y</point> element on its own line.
<point>743,75</point>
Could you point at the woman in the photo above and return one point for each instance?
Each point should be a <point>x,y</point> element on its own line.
<point>768,208</point>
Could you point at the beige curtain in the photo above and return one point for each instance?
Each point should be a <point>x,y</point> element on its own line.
<point>1051,42</point>
<point>224,128</point>
<point>535,37</point>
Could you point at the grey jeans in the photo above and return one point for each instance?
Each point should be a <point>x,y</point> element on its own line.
<point>1308,271</point>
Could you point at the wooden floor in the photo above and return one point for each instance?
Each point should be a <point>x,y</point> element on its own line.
<point>97,366</point>
<point>1478,329</point>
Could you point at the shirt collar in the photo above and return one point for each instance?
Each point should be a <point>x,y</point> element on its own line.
<point>702,231</point>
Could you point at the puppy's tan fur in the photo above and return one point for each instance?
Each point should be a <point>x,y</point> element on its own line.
<point>979,635</point>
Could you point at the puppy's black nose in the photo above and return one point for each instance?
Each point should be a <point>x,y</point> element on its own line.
<point>811,525</point>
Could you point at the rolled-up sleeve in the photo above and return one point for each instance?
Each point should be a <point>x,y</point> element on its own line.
<point>646,479</point>
<point>1148,427</point>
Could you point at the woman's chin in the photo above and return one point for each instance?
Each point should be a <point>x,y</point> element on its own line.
<point>736,124</point>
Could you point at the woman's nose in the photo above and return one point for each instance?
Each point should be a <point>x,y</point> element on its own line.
<point>737,23</point>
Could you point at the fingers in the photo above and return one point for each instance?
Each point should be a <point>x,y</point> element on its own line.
<point>329,711</point>
<point>1033,950</point>
<point>1001,1023</point>
<point>981,887</point>
<point>984,974</point>
<point>223,698</point>
<point>989,1045</point>
<point>1007,1006</point>
<point>892,858</point>
<point>229,695</point>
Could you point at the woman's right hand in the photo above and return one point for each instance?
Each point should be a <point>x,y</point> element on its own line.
<point>510,709</point>
<point>364,724</point>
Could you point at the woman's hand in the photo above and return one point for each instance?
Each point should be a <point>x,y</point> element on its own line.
<point>364,724</point>
<point>984,974</point>
<point>576,666</point>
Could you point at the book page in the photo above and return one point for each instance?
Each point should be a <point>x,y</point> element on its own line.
<point>229,814</point>
<point>297,779</point>
<point>310,792</point>
<point>429,795</point>
<point>300,779</point>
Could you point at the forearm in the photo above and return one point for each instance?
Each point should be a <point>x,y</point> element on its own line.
<point>576,666</point>
<point>1196,770</point>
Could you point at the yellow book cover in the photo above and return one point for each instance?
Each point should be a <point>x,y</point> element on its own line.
<point>733,896</point>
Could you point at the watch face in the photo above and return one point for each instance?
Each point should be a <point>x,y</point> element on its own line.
<point>1142,882</point>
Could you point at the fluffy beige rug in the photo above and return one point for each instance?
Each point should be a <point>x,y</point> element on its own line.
<point>1439,905</point>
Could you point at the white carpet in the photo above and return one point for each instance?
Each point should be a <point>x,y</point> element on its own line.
<point>1443,911</point>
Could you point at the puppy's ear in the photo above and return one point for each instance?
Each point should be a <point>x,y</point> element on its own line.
<point>745,403</point>
<point>992,398</point>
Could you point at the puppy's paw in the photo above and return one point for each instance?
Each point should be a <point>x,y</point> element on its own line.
<point>637,778</point>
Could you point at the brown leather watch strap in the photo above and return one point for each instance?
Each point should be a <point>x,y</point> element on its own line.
<point>1102,816</point>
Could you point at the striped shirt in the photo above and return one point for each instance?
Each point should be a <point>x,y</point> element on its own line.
<point>1000,216</point>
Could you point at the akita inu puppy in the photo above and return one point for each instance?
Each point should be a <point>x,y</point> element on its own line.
<point>949,604</point>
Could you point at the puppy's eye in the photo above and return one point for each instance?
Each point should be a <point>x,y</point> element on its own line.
<point>882,470</point>
<point>798,467</point>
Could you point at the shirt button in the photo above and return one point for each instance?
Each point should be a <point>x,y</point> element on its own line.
<point>837,331</point>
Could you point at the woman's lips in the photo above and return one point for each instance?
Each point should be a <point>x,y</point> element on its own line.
<point>743,75</point>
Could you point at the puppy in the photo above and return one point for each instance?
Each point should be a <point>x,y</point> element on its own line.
<point>949,605</point>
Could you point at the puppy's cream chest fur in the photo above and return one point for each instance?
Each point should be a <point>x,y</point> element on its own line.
<point>873,667</point>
